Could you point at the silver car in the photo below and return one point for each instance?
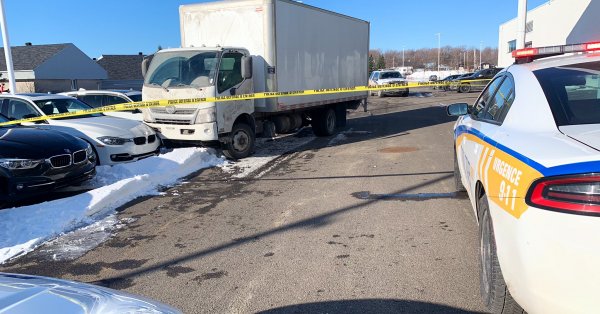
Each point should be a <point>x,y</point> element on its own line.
<point>32,294</point>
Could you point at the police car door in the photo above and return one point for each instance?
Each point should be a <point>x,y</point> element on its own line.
<point>473,152</point>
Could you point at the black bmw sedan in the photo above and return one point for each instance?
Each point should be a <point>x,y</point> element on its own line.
<point>35,162</point>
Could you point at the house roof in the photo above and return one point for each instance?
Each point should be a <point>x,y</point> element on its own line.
<point>122,67</point>
<point>30,57</point>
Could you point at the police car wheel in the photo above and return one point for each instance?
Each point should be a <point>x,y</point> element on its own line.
<point>457,178</point>
<point>494,292</point>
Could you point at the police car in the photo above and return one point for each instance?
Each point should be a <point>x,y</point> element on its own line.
<point>528,155</point>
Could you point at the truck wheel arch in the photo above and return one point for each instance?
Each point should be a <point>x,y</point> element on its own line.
<point>247,119</point>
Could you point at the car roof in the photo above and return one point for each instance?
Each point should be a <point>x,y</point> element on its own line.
<point>38,96</point>
<point>562,60</point>
<point>105,92</point>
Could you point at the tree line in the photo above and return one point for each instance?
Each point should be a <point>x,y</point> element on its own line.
<point>426,58</point>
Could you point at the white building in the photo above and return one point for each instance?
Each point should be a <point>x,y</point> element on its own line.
<point>556,22</point>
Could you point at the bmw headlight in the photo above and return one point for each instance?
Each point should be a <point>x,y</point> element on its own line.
<point>89,151</point>
<point>206,115</point>
<point>112,140</point>
<point>16,164</point>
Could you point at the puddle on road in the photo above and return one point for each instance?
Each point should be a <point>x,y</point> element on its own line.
<point>365,195</point>
<point>398,149</point>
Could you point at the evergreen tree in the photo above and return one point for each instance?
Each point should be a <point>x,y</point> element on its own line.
<point>371,64</point>
<point>381,62</point>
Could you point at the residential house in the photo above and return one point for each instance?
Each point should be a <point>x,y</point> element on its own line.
<point>52,68</point>
<point>124,71</point>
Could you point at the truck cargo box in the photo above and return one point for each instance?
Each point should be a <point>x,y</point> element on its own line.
<point>294,46</point>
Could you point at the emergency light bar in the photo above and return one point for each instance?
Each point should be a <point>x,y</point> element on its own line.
<point>529,54</point>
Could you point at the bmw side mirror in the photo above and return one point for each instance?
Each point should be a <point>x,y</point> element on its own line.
<point>246,67</point>
<point>459,109</point>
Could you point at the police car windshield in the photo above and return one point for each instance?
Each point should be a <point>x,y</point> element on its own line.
<point>573,92</point>
<point>389,75</point>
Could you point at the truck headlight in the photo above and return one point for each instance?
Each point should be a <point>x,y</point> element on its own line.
<point>147,116</point>
<point>16,164</point>
<point>206,115</point>
<point>112,140</point>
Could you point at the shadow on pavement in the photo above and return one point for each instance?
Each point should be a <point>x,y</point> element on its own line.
<point>366,306</point>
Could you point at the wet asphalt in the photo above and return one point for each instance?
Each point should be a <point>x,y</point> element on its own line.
<point>364,222</point>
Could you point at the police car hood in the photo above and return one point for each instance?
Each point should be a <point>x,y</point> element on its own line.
<point>588,134</point>
<point>32,294</point>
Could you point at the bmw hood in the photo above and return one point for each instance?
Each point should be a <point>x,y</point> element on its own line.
<point>32,294</point>
<point>32,143</point>
<point>106,126</point>
<point>588,134</point>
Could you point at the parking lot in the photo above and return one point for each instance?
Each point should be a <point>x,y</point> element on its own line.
<point>363,221</point>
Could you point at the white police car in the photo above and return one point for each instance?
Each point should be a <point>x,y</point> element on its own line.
<point>528,155</point>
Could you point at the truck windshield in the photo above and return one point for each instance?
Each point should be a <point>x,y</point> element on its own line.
<point>182,69</point>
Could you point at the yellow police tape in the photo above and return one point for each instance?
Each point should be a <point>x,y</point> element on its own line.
<point>262,95</point>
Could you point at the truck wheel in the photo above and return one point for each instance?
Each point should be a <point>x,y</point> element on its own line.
<point>282,124</point>
<point>323,122</point>
<point>241,144</point>
<point>465,88</point>
<point>494,293</point>
<point>457,178</point>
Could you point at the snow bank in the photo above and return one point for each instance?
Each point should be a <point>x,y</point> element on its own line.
<point>24,228</point>
<point>424,75</point>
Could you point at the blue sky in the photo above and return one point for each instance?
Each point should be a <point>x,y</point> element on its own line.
<point>130,26</point>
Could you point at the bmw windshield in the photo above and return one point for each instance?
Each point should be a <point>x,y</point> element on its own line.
<point>64,105</point>
<point>183,69</point>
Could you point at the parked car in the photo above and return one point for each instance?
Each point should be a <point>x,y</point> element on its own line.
<point>34,294</point>
<point>102,98</point>
<point>453,86</point>
<point>447,81</point>
<point>114,140</point>
<point>35,162</point>
<point>385,77</point>
<point>482,76</point>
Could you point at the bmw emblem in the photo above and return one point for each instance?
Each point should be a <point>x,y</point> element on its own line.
<point>170,109</point>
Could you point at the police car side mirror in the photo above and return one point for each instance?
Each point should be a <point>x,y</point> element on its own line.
<point>459,109</point>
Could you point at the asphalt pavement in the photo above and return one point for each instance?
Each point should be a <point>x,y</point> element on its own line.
<point>365,221</point>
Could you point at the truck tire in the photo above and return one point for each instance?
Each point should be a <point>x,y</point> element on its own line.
<point>457,177</point>
<point>465,88</point>
<point>295,121</point>
<point>324,122</point>
<point>494,292</point>
<point>242,142</point>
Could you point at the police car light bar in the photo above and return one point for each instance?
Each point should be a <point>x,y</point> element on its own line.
<point>529,54</point>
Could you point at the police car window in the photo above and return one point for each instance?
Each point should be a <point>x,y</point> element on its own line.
<point>501,101</point>
<point>573,92</point>
<point>485,97</point>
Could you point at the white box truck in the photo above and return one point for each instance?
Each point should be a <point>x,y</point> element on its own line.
<point>244,46</point>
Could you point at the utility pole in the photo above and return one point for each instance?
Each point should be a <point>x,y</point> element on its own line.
<point>521,23</point>
<point>474,59</point>
<point>7,54</point>
<point>402,56</point>
<point>394,61</point>
<point>480,48</point>
<point>439,35</point>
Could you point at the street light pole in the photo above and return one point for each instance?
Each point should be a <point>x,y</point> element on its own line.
<point>7,53</point>
<point>521,23</point>
<point>439,35</point>
<point>480,48</point>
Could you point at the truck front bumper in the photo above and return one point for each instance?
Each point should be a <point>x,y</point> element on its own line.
<point>204,132</point>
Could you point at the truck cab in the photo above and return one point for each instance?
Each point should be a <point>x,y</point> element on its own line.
<point>202,72</point>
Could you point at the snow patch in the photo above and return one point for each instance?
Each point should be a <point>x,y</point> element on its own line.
<point>341,137</point>
<point>22,229</point>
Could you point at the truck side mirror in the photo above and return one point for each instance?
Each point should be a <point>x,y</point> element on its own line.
<point>146,65</point>
<point>247,67</point>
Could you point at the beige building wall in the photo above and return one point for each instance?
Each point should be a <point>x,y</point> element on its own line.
<point>557,22</point>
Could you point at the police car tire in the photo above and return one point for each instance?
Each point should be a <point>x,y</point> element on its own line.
<point>457,178</point>
<point>494,292</point>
